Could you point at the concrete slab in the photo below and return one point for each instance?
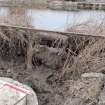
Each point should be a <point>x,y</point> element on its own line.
<point>14,93</point>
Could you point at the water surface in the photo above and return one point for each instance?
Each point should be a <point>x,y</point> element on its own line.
<point>52,20</point>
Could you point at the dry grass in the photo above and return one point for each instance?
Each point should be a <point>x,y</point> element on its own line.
<point>90,59</point>
<point>92,56</point>
<point>16,16</point>
<point>17,43</point>
<point>89,27</point>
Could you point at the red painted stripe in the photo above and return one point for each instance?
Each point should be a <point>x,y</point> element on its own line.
<point>15,87</point>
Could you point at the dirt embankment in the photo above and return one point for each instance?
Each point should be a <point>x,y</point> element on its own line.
<point>49,62</point>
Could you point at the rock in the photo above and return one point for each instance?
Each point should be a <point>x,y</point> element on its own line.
<point>102,97</point>
<point>87,90</point>
<point>74,101</point>
<point>50,57</point>
<point>93,75</point>
<point>95,82</point>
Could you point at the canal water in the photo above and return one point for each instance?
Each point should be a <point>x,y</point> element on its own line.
<point>53,20</point>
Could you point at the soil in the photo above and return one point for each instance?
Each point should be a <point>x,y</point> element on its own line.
<point>50,64</point>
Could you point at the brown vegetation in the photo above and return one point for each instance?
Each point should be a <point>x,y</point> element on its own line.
<point>48,61</point>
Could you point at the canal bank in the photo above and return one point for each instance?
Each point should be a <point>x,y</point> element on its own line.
<point>55,5</point>
<point>68,5</point>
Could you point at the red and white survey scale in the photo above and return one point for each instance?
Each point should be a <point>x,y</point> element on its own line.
<point>13,93</point>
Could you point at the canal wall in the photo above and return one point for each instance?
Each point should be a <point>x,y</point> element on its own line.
<point>56,4</point>
<point>60,5</point>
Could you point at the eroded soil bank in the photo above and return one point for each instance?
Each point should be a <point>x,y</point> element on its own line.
<point>51,63</point>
